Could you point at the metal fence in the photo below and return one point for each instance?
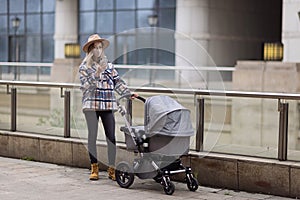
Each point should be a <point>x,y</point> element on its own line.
<point>199,95</point>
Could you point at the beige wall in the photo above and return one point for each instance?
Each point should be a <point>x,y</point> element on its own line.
<point>291,30</point>
<point>229,31</point>
<point>255,122</point>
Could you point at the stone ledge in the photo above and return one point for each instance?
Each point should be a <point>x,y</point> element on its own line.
<point>215,170</point>
<point>250,174</point>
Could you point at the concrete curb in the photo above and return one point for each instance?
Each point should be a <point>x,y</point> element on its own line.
<point>215,170</point>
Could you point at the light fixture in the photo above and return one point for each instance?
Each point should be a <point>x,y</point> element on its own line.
<point>72,50</point>
<point>273,51</point>
<point>16,23</point>
<point>152,20</point>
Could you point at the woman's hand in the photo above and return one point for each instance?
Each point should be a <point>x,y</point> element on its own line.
<point>134,95</point>
<point>101,66</point>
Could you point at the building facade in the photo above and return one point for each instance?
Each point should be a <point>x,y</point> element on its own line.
<point>226,32</point>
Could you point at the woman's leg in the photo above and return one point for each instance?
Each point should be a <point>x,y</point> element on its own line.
<point>92,124</point>
<point>108,121</point>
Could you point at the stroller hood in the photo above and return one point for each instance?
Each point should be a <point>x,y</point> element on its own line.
<point>165,116</point>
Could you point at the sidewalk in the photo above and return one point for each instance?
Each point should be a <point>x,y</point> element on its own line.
<point>20,179</point>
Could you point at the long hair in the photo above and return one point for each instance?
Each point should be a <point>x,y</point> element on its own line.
<point>89,56</point>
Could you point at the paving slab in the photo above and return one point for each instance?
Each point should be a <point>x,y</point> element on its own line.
<point>29,180</point>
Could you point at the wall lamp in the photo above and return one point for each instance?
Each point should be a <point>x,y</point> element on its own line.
<point>72,50</point>
<point>16,23</point>
<point>152,20</point>
<point>273,51</point>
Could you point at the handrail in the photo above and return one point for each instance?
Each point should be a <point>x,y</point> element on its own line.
<point>119,66</point>
<point>39,84</point>
<point>268,95</point>
<point>26,64</point>
<point>281,97</point>
<point>188,68</point>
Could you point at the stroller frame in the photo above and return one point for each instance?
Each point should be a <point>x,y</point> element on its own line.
<point>125,172</point>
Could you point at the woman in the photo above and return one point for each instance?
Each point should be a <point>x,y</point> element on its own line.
<point>99,79</point>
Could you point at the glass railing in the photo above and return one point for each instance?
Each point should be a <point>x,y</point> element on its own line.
<point>25,71</point>
<point>232,122</point>
<point>208,77</point>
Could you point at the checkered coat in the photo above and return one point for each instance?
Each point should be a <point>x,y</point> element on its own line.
<point>98,92</point>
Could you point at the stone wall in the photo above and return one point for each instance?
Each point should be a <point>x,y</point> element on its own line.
<point>215,170</point>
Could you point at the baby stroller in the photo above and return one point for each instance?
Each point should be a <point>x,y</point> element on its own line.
<point>160,143</point>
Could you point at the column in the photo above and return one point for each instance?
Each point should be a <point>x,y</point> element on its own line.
<point>192,39</point>
<point>66,23</point>
<point>291,30</point>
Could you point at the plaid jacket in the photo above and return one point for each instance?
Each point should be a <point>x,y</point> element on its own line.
<point>98,92</point>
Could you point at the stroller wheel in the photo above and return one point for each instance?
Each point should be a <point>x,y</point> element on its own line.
<point>124,175</point>
<point>169,188</point>
<point>192,183</point>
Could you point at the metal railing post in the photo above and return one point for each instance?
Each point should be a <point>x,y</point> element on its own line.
<point>67,114</point>
<point>283,108</point>
<point>13,109</point>
<point>38,71</point>
<point>200,124</point>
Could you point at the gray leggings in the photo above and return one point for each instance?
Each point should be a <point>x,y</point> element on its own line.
<point>108,122</point>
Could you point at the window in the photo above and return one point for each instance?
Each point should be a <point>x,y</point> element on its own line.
<point>35,33</point>
<point>105,4</point>
<point>3,22</point>
<point>105,21</point>
<point>4,45</point>
<point>125,20</point>
<point>84,6</point>
<point>146,4</point>
<point>125,4</point>
<point>16,6</point>
<point>48,28</point>
<point>33,23</point>
<point>48,6</point>
<point>3,7</point>
<point>87,22</point>
<point>33,6</point>
<point>116,20</point>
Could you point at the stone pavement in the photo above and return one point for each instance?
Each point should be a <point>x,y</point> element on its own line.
<point>23,180</point>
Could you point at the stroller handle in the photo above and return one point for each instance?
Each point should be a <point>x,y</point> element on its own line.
<point>127,96</point>
<point>140,98</point>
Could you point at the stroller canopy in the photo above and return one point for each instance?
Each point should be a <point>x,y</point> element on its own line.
<point>165,116</point>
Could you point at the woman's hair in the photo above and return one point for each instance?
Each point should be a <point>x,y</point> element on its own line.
<point>91,47</point>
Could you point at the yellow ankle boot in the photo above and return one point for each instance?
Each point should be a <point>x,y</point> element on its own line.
<point>94,171</point>
<point>111,173</point>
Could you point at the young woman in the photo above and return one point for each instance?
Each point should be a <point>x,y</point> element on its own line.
<point>99,79</point>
